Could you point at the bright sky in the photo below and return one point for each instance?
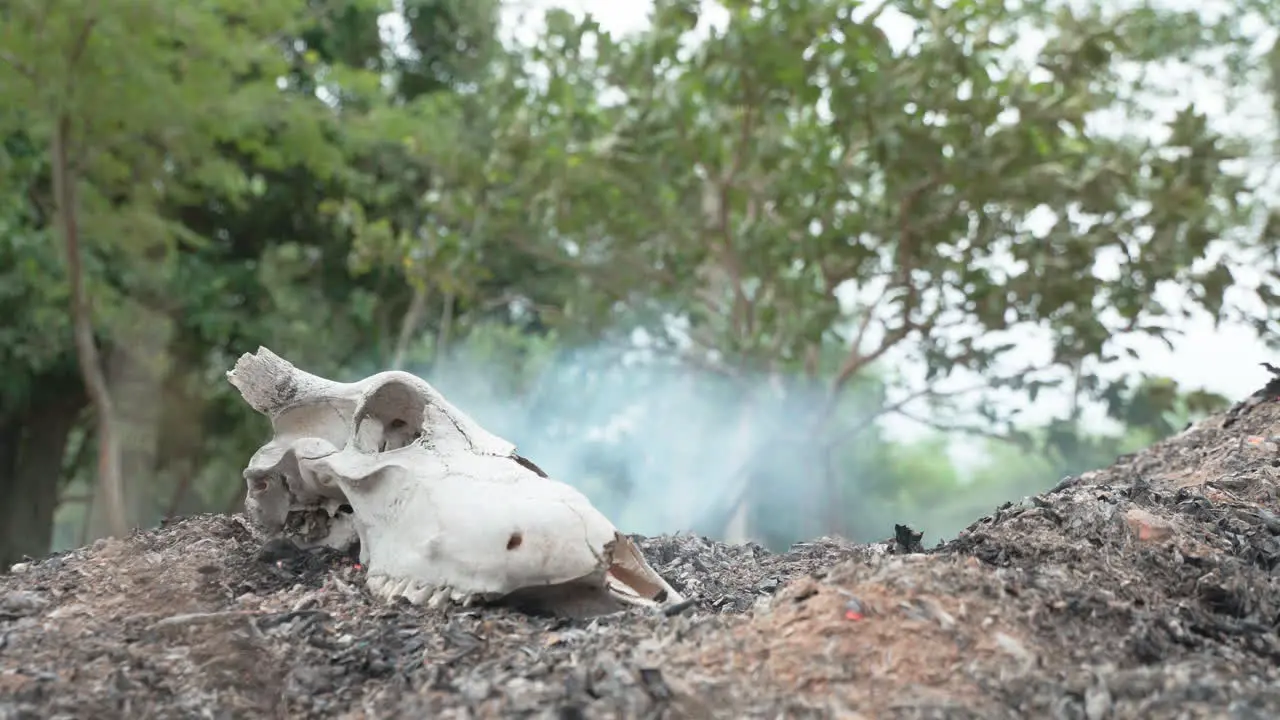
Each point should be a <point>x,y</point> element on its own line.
<point>1223,360</point>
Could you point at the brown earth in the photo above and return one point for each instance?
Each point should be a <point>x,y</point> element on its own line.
<point>1145,590</point>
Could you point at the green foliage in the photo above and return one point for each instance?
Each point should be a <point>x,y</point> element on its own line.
<point>745,182</point>
<point>36,334</point>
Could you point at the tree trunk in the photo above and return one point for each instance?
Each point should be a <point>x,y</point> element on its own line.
<point>409,326</point>
<point>32,493</point>
<point>33,443</point>
<point>181,444</point>
<point>10,441</point>
<point>109,504</point>
<point>444,336</point>
<point>137,367</point>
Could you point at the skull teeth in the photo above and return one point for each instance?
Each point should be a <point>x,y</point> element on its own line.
<point>389,588</point>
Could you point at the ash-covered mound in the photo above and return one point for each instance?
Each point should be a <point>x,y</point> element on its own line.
<point>203,619</point>
<point>1141,591</point>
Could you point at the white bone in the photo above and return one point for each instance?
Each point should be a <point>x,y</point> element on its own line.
<point>443,509</point>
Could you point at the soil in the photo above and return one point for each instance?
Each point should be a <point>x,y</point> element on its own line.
<point>1144,590</point>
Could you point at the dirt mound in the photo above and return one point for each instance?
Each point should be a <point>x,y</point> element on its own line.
<point>1144,590</point>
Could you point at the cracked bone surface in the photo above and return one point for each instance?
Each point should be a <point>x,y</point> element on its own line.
<point>443,510</point>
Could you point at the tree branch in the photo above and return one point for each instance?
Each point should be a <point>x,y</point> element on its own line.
<point>958,428</point>
<point>614,277</point>
<point>445,332</point>
<point>409,325</point>
<point>80,44</point>
<point>904,264</point>
<point>20,67</point>
<point>742,308</point>
<point>899,408</point>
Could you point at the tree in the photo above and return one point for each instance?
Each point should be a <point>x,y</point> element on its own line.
<point>802,156</point>
<point>302,249</point>
<point>131,102</point>
<point>41,398</point>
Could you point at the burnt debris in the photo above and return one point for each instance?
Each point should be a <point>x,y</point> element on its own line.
<point>1143,590</point>
<point>1270,391</point>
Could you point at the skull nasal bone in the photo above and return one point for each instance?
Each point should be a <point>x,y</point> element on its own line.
<point>514,541</point>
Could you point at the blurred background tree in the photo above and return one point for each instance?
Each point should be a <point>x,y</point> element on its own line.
<point>699,270</point>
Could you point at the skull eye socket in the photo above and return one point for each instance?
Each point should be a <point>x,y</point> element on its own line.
<point>391,418</point>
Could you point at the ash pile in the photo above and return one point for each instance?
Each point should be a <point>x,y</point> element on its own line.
<point>1143,590</point>
<point>203,618</point>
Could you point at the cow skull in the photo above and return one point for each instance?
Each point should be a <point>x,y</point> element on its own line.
<point>443,510</point>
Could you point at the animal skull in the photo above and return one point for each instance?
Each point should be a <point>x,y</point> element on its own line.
<point>443,510</point>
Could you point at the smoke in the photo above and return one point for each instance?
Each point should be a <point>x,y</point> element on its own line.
<point>657,445</point>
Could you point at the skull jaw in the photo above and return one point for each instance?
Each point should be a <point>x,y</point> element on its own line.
<point>578,599</point>
<point>597,594</point>
<point>589,597</point>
